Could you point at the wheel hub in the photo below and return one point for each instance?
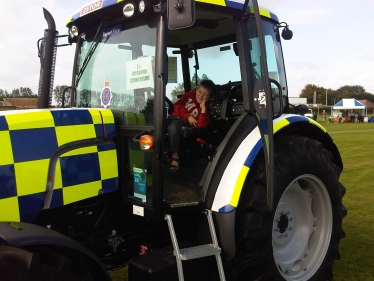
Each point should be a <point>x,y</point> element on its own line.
<point>299,244</point>
<point>283,223</point>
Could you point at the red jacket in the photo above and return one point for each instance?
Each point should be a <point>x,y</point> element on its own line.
<point>188,106</point>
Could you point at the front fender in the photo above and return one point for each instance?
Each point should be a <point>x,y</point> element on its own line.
<point>227,194</point>
<point>22,234</point>
<point>231,183</point>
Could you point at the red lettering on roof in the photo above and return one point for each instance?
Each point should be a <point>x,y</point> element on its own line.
<point>91,7</point>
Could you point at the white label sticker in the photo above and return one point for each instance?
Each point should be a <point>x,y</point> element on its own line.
<point>137,210</point>
<point>139,73</point>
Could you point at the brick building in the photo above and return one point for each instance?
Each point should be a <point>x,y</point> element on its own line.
<point>20,103</point>
<point>367,103</point>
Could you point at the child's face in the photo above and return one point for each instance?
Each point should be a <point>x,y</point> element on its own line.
<point>202,94</point>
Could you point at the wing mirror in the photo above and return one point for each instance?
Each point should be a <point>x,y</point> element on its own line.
<point>286,32</point>
<point>181,13</point>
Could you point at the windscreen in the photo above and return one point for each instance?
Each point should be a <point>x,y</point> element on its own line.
<point>116,67</point>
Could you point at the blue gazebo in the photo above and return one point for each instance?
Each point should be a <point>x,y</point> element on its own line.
<point>348,104</point>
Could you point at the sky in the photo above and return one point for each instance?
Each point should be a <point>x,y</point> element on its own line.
<point>332,44</point>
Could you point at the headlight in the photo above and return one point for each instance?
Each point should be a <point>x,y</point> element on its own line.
<point>141,6</point>
<point>128,10</point>
<point>73,32</point>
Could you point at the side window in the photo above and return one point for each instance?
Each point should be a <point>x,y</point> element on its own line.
<point>273,56</point>
<point>218,63</point>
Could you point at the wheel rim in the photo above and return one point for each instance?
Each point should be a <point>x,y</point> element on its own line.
<point>302,228</point>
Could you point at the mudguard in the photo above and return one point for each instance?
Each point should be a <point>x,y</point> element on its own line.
<point>226,196</point>
<point>231,183</point>
<point>21,234</point>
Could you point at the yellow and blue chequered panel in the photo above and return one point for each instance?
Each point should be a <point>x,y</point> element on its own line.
<point>28,140</point>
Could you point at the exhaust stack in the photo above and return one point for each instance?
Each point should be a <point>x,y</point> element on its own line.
<point>47,54</point>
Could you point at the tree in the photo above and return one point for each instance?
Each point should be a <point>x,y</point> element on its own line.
<point>179,90</point>
<point>26,92</point>
<point>352,91</point>
<point>308,92</point>
<point>58,95</point>
<point>3,94</point>
<point>15,93</point>
<point>333,96</point>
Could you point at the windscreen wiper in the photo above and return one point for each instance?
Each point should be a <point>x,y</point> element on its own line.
<point>90,52</point>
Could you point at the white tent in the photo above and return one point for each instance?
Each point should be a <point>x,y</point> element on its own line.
<point>348,104</point>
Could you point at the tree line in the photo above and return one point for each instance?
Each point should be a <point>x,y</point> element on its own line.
<point>333,96</point>
<point>23,92</point>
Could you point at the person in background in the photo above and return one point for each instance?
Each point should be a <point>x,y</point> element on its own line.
<point>324,115</point>
<point>340,116</point>
<point>190,111</point>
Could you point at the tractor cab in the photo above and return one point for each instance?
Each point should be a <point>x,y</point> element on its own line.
<point>136,60</point>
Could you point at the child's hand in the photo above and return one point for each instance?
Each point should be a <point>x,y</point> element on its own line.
<point>203,105</point>
<point>192,120</point>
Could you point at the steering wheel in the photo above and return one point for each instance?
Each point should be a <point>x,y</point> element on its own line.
<point>170,104</point>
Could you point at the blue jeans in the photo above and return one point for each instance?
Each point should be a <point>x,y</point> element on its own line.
<point>178,129</point>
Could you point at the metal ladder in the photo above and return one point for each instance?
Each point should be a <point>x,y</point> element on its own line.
<point>197,251</point>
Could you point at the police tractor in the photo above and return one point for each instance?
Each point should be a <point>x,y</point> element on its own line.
<point>85,187</point>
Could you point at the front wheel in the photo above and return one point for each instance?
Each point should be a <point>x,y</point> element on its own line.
<point>44,263</point>
<point>300,240</point>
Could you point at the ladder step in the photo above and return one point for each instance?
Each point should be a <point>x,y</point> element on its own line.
<point>198,252</point>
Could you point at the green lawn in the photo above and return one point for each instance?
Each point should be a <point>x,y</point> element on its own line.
<point>355,142</point>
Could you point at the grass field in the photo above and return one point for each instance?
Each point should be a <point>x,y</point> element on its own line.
<point>355,142</point>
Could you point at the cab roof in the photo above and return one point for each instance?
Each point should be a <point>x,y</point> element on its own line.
<point>100,4</point>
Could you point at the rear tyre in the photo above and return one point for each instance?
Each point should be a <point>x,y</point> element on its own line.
<point>300,240</point>
<point>42,263</point>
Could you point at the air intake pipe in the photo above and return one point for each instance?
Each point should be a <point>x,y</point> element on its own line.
<point>47,53</point>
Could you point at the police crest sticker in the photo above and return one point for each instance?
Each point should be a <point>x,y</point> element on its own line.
<point>106,94</point>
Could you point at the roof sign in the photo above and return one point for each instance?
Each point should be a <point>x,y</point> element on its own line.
<point>96,5</point>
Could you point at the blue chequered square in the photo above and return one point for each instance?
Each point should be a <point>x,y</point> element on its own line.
<point>29,206</point>
<point>80,169</point>
<point>3,124</point>
<point>71,117</point>
<point>110,130</point>
<point>57,200</point>
<point>110,185</point>
<point>8,181</point>
<point>33,144</point>
<point>106,147</point>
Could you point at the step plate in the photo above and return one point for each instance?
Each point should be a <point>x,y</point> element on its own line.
<point>198,252</point>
